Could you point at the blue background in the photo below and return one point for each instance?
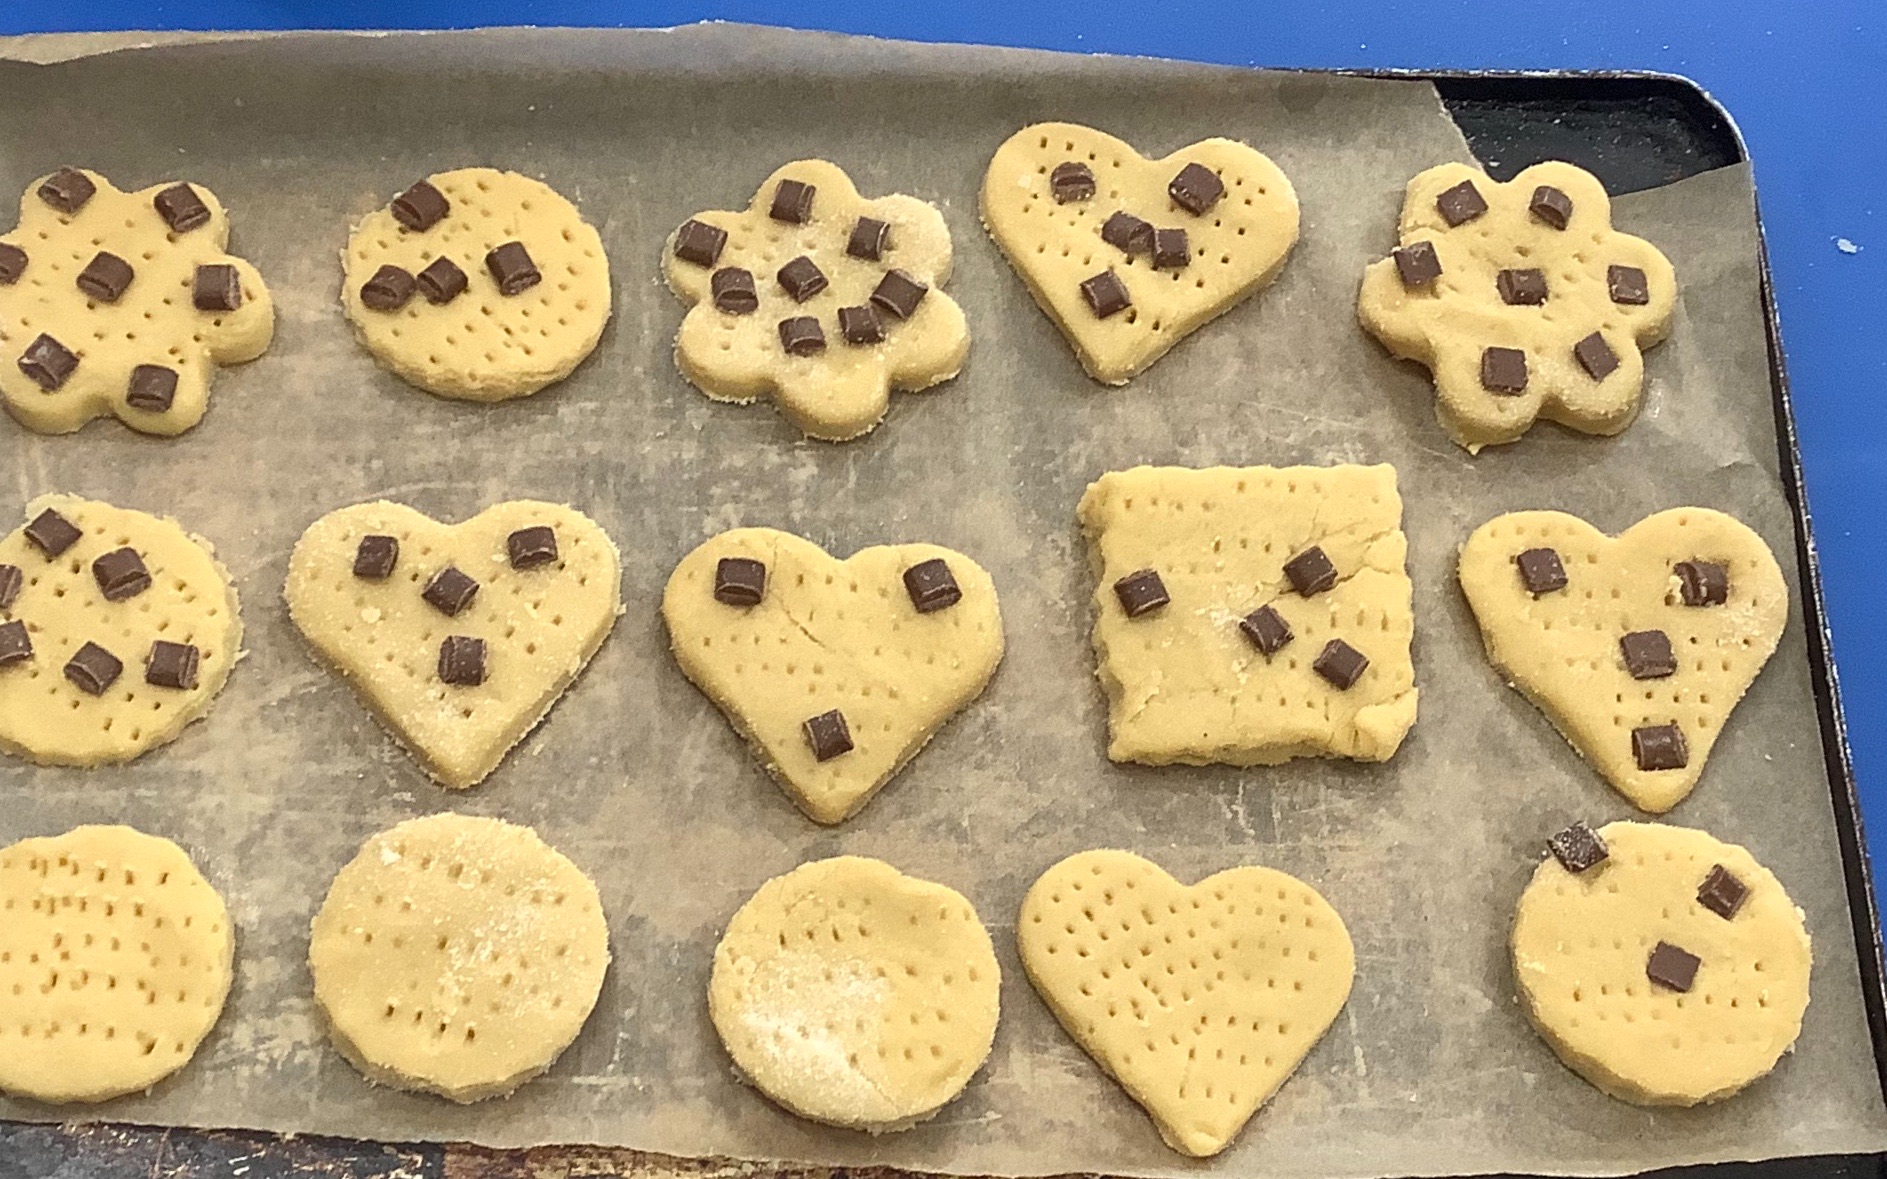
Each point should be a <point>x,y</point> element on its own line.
<point>1805,81</point>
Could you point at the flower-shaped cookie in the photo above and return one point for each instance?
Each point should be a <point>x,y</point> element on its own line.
<point>1521,299</point>
<point>817,298</point>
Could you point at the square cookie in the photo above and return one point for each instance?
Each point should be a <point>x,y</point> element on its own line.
<point>1281,586</point>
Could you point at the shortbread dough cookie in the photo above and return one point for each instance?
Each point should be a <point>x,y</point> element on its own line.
<point>457,955</point>
<point>459,636</point>
<point>115,958</point>
<point>1200,1001</point>
<point>855,995</point>
<point>1662,965</point>
<point>836,672</point>
<point>117,629</point>
<point>122,304</point>
<point>818,298</point>
<point>1129,255</point>
<point>1522,300</point>
<point>477,284</point>
<point>1638,646</point>
<point>1249,615</point>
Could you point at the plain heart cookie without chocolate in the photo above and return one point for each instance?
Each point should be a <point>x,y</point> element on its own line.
<point>1639,646</point>
<point>460,636</point>
<point>1129,255</point>
<point>837,672</point>
<point>1200,1001</point>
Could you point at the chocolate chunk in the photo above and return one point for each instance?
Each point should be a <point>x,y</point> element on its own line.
<point>1578,848</point>
<point>1171,251</point>
<point>1266,629</point>
<point>932,586</point>
<point>1627,285</point>
<point>105,277</point>
<point>533,547</point>
<point>1196,189</point>
<point>870,239</point>
<point>699,242</point>
<point>375,558</point>
<point>899,294</point>
<point>792,202</point>
<point>1648,654</point>
<point>860,325</point>
<point>1541,571</point>
<point>1521,287</point>
<point>1596,356</point>
<point>1659,747</point>
<point>1072,181</point>
<point>52,533</point>
<point>1461,204</point>
<point>12,580</point>
<point>16,646</point>
<point>388,289</point>
<point>450,591</point>
<point>181,208</point>
<point>801,278</point>
<point>1310,572</point>
<point>1141,593</point>
<point>1340,663</point>
<point>421,207</point>
<point>67,190</point>
<point>1703,583</point>
<point>512,269</point>
<point>1504,370</point>
<point>172,665</point>
<point>740,581</point>
<point>442,281</point>
<point>1106,294</point>
<point>1124,231</point>
<point>1417,263</point>
<point>1671,967</point>
<point>92,669</point>
<point>1551,205</point>
<point>733,291</point>
<point>152,388</point>
<point>48,362</point>
<point>462,660</point>
<point>121,574</point>
<point>218,288</point>
<point>802,336</point>
<point>12,263</point>
<point>828,735</point>
<point>1721,892</point>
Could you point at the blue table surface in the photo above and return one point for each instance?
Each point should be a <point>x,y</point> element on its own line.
<point>1806,83</point>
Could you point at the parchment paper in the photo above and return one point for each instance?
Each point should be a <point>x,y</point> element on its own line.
<point>1430,1069</point>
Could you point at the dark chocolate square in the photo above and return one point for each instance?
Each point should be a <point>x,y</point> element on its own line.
<point>1461,204</point>
<point>740,581</point>
<point>52,534</point>
<point>1141,593</point>
<point>733,291</point>
<point>899,294</point>
<point>1721,892</point>
<point>16,645</point>
<point>861,325</point>
<point>1702,583</point>
<point>152,388</point>
<point>792,202</point>
<point>218,287</point>
<point>1578,848</point>
<point>829,735</point>
<point>462,661</point>
<point>375,558</point>
<point>1627,285</point>
<point>421,207</point>
<point>1504,370</point>
<point>172,665</point>
<point>510,266</point>
<point>802,336</point>
<point>450,591</point>
<point>699,242</point>
<point>801,278</point>
<point>442,281</point>
<point>389,289</point>
<point>1171,251</point>
<point>12,263</point>
<point>12,580</point>
<point>1647,654</point>
<point>870,239</point>
<point>1106,295</point>
<point>1659,747</point>
<point>1071,181</point>
<point>1596,356</point>
<point>93,670</point>
<point>1417,263</point>
<point>1310,572</point>
<point>1551,206</point>
<point>181,208</point>
<point>67,190</point>
<point>1521,288</point>
<point>1128,233</point>
<point>48,362</point>
<point>932,586</point>
<point>533,547</point>
<point>1196,189</point>
<point>1672,967</point>
<point>121,574</point>
<point>1341,664</point>
<point>1541,571</point>
<point>106,277</point>
<point>1267,630</point>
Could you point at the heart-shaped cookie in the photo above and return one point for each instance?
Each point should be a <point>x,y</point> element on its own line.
<point>1637,646</point>
<point>1129,255</point>
<point>1200,1001</point>
<point>837,672</point>
<point>460,636</point>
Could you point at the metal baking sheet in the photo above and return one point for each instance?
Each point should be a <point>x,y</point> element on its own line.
<point>1431,1069</point>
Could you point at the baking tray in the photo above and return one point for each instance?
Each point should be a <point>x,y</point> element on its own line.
<point>1634,131</point>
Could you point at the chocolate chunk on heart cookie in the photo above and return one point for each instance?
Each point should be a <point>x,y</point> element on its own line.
<point>477,284</point>
<point>122,304</point>
<point>459,636</point>
<point>837,672</point>
<point>1130,255</point>
<point>1521,299</point>
<point>818,298</point>
<point>1637,646</point>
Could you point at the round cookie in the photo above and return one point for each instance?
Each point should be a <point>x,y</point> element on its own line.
<point>855,995</point>
<point>1662,965</point>
<point>516,295</point>
<point>115,959</point>
<point>457,955</point>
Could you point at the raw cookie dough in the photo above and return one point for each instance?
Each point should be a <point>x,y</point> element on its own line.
<point>457,955</point>
<point>1585,945</point>
<point>480,344</point>
<point>1240,666</point>
<point>855,995</point>
<point>1237,225</point>
<point>142,342</point>
<point>130,632</point>
<point>458,689</point>
<point>735,347</point>
<point>832,636</point>
<point>1200,1001</point>
<point>1566,649</point>
<point>115,960</point>
<point>1541,275</point>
